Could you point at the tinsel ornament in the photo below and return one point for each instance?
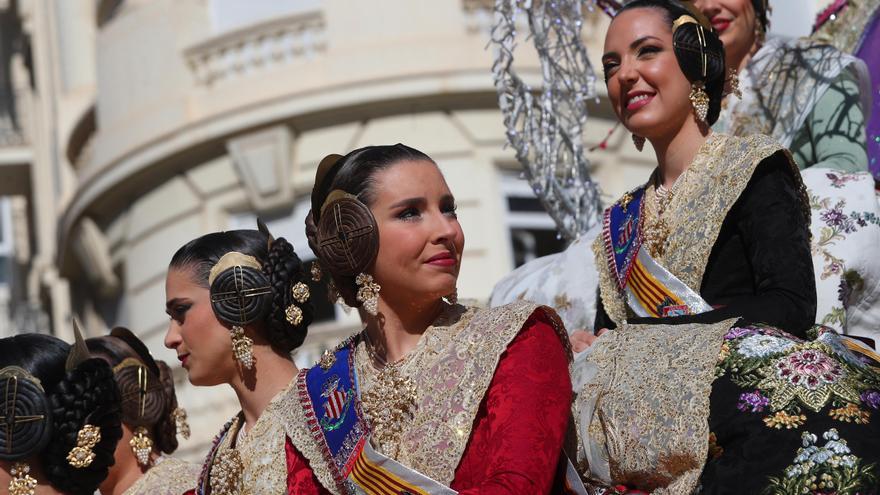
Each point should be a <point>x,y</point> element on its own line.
<point>545,124</point>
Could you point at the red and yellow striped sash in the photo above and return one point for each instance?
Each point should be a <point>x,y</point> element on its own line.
<point>650,293</point>
<point>373,479</point>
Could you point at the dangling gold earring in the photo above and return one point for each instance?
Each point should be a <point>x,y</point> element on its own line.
<point>180,422</point>
<point>86,438</point>
<point>242,347</point>
<point>21,483</point>
<point>142,445</point>
<point>316,271</point>
<point>699,100</point>
<point>733,82</point>
<point>452,298</point>
<point>368,293</point>
<point>639,141</point>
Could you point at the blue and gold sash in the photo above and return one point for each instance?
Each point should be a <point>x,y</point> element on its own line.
<point>622,233</point>
<point>329,396</point>
<point>649,288</point>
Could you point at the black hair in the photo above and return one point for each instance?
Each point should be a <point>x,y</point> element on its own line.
<point>355,171</point>
<point>162,399</point>
<point>686,46</point>
<point>86,394</point>
<point>281,265</point>
<point>762,13</point>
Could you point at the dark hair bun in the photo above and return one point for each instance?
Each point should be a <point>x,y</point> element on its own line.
<point>166,429</point>
<point>24,404</point>
<point>86,395</point>
<point>240,295</point>
<point>347,237</point>
<point>143,398</point>
<point>284,270</point>
<point>695,46</point>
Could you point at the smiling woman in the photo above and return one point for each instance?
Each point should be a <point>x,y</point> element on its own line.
<point>431,394</point>
<point>688,391</point>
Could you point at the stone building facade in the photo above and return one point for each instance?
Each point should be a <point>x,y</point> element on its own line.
<point>129,127</point>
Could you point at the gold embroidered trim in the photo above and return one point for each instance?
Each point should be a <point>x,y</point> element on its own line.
<point>613,299</point>
<point>451,386</point>
<point>263,452</point>
<point>647,427</point>
<point>720,172</point>
<point>295,426</point>
<point>169,476</point>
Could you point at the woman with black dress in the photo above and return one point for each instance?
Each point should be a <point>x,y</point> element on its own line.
<point>707,380</point>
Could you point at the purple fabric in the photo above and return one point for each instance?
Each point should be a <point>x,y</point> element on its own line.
<point>871,55</point>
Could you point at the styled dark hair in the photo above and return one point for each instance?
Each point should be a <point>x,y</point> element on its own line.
<point>686,46</point>
<point>355,174</point>
<point>86,394</point>
<point>281,266</point>
<point>160,401</point>
<point>762,8</point>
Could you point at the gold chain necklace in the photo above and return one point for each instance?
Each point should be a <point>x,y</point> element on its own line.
<point>389,403</point>
<point>657,228</point>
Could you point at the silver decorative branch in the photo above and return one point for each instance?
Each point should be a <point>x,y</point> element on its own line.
<point>545,125</point>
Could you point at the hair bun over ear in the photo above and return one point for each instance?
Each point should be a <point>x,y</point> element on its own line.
<point>26,409</point>
<point>241,295</point>
<point>347,235</point>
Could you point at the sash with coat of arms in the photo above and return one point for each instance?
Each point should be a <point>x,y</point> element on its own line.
<point>329,396</point>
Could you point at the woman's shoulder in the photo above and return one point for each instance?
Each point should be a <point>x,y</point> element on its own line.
<point>524,321</point>
<point>514,314</point>
<point>754,146</point>
<point>169,476</point>
<point>734,159</point>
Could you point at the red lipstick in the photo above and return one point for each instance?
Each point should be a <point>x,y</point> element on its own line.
<point>442,259</point>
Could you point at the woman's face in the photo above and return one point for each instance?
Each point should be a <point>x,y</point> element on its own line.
<point>735,21</point>
<point>646,86</point>
<point>203,345</point>
<point>421,240</point>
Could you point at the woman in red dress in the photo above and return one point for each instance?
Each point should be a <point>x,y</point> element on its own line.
<point>431,396</point>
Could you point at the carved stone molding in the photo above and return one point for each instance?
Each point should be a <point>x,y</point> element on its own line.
<point>263,162</point>
<point>255,48</point>
<point>93,252</point>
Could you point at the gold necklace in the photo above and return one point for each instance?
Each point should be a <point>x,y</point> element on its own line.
<point>657,228</point>
<point>389,402</point>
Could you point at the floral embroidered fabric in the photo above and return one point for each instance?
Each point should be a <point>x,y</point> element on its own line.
<point>846,231</point>
<point>767,397</point>
<point>774,396</point>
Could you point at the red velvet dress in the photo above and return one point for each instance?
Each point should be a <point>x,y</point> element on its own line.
<point>518,434</point>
